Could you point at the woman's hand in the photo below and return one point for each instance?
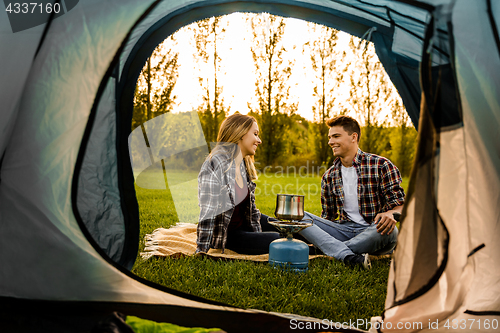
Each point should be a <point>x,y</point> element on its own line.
<point>198,250</point>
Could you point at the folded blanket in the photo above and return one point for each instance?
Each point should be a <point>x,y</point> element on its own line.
<point>175,241</point>
<point>180,240</point>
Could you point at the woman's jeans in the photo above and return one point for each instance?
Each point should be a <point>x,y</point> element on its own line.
<point>247,241</point>
<point>339,240</point>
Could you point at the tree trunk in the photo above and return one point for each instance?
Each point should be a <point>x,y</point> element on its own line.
<point>149,106</point>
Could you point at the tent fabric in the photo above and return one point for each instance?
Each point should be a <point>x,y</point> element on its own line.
<point>480,91</point>
<point>68,211</point>
<point>25,316</point>
<point>21,50</point>
<point>39,162</point>
<point>98,193</point>
<point>464,197</point>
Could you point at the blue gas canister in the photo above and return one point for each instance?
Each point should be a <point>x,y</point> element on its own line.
<point>289,253</point>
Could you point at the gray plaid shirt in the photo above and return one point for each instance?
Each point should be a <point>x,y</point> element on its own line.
<point>216,195</point>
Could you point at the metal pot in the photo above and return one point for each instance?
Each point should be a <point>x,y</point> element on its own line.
<point>289,207</point>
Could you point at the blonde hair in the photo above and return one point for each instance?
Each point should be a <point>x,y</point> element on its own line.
<point>232,129</point>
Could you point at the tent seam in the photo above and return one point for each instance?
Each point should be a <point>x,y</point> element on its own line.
<point>493,25</point>
<point>83,148</point>
<point>47,27</point>
<point>435,278</point>
<point>390,19</point>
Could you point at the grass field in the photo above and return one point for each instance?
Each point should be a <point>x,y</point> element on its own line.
<point>329,290</point>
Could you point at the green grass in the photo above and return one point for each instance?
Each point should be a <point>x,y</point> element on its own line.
<point>329,290</point>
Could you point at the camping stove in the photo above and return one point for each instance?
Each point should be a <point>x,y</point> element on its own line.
<point>288,252</point>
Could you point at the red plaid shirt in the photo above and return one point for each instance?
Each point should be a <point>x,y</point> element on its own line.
<point>379,187</point>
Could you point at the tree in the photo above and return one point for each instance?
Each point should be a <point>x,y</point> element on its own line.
<point>329,76</point>
<point>299,148</point>
<point>271,87</point>
<point>207,35</point>
<point>403,139</point>
<point>372,93</point>
<point>153,93</point>
<point>370,90</point>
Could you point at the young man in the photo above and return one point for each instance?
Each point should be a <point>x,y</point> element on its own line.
<point>360,193</point>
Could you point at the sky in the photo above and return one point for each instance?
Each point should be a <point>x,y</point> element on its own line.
<point>238,77</point>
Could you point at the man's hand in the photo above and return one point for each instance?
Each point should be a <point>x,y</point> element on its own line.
<point>385,222</point>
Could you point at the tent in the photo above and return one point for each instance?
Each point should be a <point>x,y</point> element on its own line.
<point>68,212</point>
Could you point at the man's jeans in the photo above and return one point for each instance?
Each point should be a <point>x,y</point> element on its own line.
<point>339,240</point>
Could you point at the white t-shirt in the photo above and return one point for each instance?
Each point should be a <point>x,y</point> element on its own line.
<point>351,203</point>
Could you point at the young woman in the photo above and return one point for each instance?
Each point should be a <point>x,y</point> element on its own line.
<point>226,192</point>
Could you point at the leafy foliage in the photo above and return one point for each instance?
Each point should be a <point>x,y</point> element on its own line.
<point>288,139</point>
<point>271,88</point>
<point>402,140</point>
<point>207,34</point>
<point>371,92</point>
<point>328,78</point>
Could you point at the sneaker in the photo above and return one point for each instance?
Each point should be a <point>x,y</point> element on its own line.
<point>367,264</point>
<point>360,259</point>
